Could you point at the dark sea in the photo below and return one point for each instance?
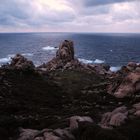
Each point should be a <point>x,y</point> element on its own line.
<point>111,48</point>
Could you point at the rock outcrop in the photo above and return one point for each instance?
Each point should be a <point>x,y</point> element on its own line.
<point>19,62</point>
<point>126,82</point>
<point>65,51</point>
<point>129,86</point>
<point>101,69</point>
<point>64,58</point>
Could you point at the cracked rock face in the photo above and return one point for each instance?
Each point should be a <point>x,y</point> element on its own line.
<point>65,51</point>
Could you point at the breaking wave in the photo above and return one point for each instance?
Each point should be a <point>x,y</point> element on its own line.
<point>49,48</point>
<point>85,61</point>
<point>27,54</point>
<point>115,69</point>
<point>4,60</point>
<point>98,61</point>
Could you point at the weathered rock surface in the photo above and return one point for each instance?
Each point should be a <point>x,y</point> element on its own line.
<point>118,119</point>
<point>126,82</point>
<point>74,121</point>
<point>19,62</point>
<point>115,118</point>
<point>64,58</point>
<point>131,66</point>
<point>65,51</point>
<point>129,86</point>
<point>29,134</point>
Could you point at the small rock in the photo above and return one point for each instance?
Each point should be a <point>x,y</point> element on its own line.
<point>122,109</point>
<point>137,113</point>
<point>75,119</point>
<point>51,136</point>
<point>39,138</point>
<point>131,66</point>
<point>118,119</point>
<point>28,134</point>
<point>137,106</point>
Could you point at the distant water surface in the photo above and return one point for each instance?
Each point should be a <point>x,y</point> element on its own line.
<point>113,49</point>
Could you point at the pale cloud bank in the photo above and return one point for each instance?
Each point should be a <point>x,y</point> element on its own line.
<point>70,15</point>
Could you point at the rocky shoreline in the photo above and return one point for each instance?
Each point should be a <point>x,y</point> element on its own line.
<point>65,99</point>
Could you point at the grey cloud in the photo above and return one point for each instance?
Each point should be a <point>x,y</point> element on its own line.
<point>82,9</point>
<point>96,10</point>
<point>53,20</point>
<point>14,8</point>
<point>77,15</point>
<point>122,18</point>
<point>102,2</point>
<point>13,12</point>
<point>21,12</point>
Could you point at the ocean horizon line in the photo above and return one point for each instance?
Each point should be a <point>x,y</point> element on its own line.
<point>73,32</point>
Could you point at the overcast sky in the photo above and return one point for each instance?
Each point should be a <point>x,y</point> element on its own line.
<point>70,16</point>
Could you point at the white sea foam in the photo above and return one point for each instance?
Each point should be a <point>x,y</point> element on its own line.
<point>5,60</point>
<point>49,48</point>
<point>85,61</point>
<point>27,54</point>
<point>10,55</point>
<point>115,69</point>
<point>24,54</point>
<point>98,61</point>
